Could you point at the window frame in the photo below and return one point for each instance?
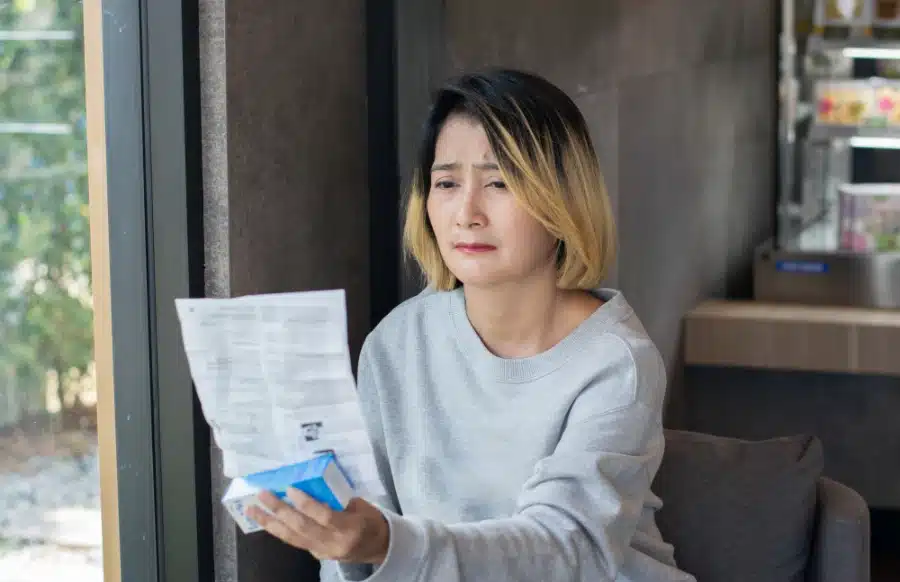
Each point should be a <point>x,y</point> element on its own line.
<point>155,254</point>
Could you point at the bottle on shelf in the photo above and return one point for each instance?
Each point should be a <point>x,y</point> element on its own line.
<point>886,21</point>
<point>843,19</point>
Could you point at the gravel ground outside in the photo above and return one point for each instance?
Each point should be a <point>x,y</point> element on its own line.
<point>50,509</point>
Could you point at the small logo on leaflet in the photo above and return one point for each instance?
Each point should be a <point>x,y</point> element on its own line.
<point>311,431</point>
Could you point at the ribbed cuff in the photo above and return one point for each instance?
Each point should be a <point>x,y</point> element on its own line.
<point>406,550</point>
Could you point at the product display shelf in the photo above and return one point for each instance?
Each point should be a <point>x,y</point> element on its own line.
<point>837,241</point>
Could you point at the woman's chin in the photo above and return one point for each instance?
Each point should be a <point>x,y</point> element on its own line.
<point>481,278</point>
<point>484,274</point>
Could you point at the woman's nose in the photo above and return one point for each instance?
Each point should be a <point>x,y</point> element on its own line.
<point>469,213</point>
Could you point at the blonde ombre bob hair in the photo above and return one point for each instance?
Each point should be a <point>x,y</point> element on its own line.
<point>547,160</point>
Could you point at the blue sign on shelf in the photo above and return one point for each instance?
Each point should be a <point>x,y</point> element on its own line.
<point>808,267</point>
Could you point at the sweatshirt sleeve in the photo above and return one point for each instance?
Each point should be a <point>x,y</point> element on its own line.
<point>332,571</point>
<point>576,515</point>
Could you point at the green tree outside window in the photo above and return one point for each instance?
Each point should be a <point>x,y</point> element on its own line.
<point>45,291</point>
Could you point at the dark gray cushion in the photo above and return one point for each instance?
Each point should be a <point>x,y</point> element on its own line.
<point>739,511</point>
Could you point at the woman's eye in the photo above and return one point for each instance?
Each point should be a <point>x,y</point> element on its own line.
<point>444,184</point>
<point>499,184</point>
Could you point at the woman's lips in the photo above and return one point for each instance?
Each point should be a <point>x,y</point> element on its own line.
<point>474,248</point>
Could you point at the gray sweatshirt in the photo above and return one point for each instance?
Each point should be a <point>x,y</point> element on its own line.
<point>500,470</point>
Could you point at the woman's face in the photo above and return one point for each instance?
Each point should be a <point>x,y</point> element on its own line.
<point>485,236</point>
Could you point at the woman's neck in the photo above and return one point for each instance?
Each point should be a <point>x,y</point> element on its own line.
<point>525,319</point>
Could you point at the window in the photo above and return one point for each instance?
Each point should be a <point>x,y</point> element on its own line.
<point>50,519</point>
<point>94,143</point>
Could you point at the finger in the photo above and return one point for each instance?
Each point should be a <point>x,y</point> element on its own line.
<point>321,514</point>
<point>262,518</point>
<point>280,530</point>
<point>258,515</point>
<point>270,500</point>
<point>293,518</point>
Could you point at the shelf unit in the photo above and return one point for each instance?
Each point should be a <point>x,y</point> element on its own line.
<point>774,336</point>
<point>829,133</point>
<point>804,262</point>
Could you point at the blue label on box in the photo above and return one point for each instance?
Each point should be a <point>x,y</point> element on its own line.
<point>811,267</point>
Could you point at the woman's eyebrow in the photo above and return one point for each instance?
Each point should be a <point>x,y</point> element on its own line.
<point>444,167</point>
<point>456,165</point>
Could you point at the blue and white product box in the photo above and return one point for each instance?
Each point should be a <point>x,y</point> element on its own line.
<point>321,478</point>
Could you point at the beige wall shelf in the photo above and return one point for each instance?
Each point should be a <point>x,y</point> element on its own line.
<point>793,337</point>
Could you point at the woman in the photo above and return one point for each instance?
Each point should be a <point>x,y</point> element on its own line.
<point>515,410</point>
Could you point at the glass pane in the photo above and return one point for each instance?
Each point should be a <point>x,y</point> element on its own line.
<point>840,127</point>
<point>49,478</point>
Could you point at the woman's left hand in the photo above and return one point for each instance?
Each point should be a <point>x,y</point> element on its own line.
<point>359,534</point>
